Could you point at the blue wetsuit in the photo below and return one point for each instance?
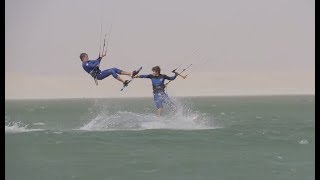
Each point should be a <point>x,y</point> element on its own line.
<point>91,67</point>
<point>159,94</point>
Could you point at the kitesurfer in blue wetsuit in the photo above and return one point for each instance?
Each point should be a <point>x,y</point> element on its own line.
<point>158,85</point>
<point>92,67</point>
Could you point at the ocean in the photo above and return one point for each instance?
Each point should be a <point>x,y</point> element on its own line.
<point>208,138</point>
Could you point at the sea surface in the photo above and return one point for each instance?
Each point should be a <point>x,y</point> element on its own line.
<point>208,138</point>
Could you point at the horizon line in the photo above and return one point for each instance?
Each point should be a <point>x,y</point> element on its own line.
<point>226,95</point>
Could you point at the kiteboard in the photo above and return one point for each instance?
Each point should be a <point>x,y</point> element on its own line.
<point>129,81</point>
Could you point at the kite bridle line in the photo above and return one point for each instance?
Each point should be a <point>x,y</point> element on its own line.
<point>179,74</point>
<point>104,51</point>
<point>197,67</point>
<point>194,52</point>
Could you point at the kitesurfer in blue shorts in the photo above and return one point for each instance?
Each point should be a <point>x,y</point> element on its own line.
<point>158,85</point>
<point>92,67</point>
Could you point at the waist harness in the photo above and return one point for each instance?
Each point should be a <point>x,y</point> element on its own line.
<point>158,89</point>
<point>94,73</point>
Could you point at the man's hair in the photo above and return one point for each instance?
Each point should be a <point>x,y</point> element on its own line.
<point>156,69</point>
<point>82,55</point>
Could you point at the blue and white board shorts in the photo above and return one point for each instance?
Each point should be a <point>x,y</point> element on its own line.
<point>160,98</point>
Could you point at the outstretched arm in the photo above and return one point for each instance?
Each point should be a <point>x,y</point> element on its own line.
<point>102,55</point>
<point>171,78</point>
<point>99,59</point>
<point>94,63</point>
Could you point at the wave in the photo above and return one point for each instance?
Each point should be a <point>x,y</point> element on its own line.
<point>104,116</point>
<point>18,127</point>
<point>183,119</point>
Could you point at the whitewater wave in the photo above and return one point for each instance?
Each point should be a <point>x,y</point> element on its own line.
<point>39,124</point>
<point>18,127</point>
<point>126,120</point>
<point>105,117</point>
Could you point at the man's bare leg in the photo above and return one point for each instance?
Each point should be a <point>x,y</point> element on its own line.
<point>126,73</point>
<point>173,107</point>
<point>120,79</point>
<point>159,112</point>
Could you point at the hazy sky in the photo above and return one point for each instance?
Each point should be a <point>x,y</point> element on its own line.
<point>254,47</point>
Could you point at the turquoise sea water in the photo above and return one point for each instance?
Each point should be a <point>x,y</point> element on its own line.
<point>218,138</point>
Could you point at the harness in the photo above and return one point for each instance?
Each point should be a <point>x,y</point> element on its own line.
<point>158,89</point>
<point>94,73</point>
